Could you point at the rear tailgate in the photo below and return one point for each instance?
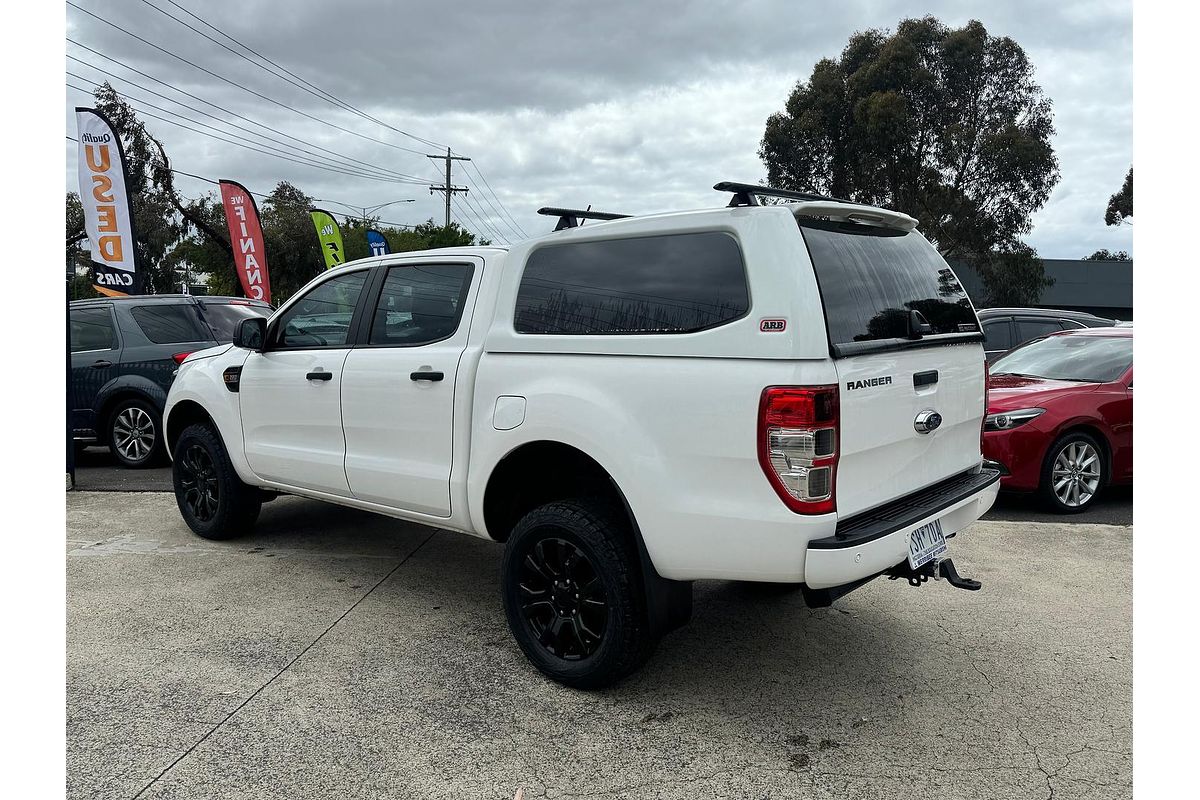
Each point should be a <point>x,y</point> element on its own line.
<point>908,349</point>
<point>882,455</point>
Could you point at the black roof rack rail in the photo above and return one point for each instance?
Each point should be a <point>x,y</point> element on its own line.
<point>747,194</point>
<point>570,217</point>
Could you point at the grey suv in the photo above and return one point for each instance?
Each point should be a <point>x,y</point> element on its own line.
<point>124,353</point>
<point>1005,328</point>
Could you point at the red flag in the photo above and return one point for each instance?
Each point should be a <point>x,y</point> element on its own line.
<point>245,235</point>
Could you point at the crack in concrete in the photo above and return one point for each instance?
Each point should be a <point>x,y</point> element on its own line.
<point>286,667</point>
<point>1038,758</point>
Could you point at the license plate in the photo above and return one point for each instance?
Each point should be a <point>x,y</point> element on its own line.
<point>926,543</point>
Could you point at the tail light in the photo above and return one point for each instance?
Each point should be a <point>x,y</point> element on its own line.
<point>798,445</point>
<point>179,357</point>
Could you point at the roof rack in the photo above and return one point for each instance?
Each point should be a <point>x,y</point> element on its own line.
<point>570,217</point>
<point>747,194</point>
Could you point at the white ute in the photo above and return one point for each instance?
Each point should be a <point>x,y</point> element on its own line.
<point>789,393</point>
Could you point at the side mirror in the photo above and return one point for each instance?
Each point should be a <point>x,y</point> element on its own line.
<point>251,334</point>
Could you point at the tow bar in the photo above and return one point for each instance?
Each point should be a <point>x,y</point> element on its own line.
<point>936,569</point>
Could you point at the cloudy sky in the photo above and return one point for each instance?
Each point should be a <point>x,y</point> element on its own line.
<point>627,105</point>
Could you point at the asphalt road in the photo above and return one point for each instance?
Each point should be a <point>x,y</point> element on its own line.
<point>343,655</point>
<point>97,471</point>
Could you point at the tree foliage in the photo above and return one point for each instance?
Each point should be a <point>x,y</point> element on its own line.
<point>1120,205</point>
<point>1014,277</point>
<point>81,285</point>
<point>1107,255</point>
<point>946,124</point>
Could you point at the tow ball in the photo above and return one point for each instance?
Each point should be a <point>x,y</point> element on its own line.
<point>937,569</point>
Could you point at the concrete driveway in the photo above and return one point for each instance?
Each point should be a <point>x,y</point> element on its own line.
<point>336,654</point>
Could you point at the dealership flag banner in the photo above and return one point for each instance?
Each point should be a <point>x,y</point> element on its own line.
<point>246,238</point>
<point>107,209</point>
<point>377,243</point>
<point>330,236</point>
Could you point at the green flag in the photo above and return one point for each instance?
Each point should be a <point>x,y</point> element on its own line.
<point>330,236</point>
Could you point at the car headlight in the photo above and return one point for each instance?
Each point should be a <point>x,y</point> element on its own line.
<point>1006,420</point>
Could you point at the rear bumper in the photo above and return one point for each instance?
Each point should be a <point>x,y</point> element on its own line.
<point>867,544</point>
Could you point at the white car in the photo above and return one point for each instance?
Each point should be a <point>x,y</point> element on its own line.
<point>788,393</point>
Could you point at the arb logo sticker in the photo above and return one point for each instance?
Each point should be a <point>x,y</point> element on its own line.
<point>772,325</point>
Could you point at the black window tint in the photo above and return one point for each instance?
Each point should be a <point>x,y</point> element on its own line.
<point>170,324</point>
<point>998,333</point>
<point>322,317</point>
<point>225,317</point>
<point>92,329</point>
<point>654,284</point>
<point>872,278</point>
<point>1033,328</point>
<point>420,304</point>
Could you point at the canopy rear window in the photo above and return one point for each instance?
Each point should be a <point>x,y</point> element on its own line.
<point>872,278</point>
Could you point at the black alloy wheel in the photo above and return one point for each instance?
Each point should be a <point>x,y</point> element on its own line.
<point>563,599</point>
<point>198,479</point>
<point>211,497</point>
<point>573,595</point>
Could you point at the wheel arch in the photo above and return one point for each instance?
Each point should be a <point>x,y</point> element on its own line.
<point>183,414</point>
<point>117,392</point>
<point>539,472</point>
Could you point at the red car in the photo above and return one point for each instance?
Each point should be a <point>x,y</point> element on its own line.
<point>1060,416</point>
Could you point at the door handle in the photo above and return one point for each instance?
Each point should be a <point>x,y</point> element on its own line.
<point>427,376</point>
<point>101,364</point>
<point>320,375</point>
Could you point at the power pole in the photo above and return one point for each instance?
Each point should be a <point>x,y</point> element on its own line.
<point>449,188</point>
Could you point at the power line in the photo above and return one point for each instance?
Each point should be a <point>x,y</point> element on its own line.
<point>258,150</point>
<point>314,90</point>
<point>494,213</point>
<point>240,86</point>
<point>487,220</point>
<point>263,195</point>
<point>477,224</point>
<point>301,144</point>
<point>348,169</point>
<point>237,53</point>
<point>516,225</point>
<point>329,96</point>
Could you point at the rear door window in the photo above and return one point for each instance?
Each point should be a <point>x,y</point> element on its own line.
<point>92,329</point>
<point>872,278</point>
<point>164,323</point>
<point>1031,328</point>
<point>998,333</point>
<point>420,304</point>
<point>679,283</point>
